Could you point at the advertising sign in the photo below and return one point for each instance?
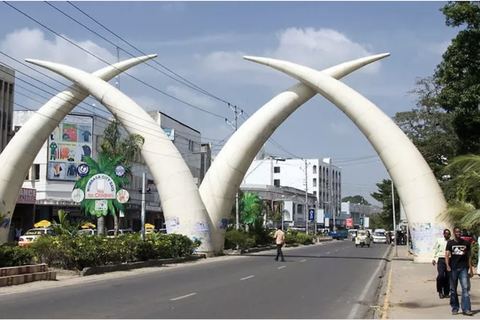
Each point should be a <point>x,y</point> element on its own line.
<point>100,186</point>
<point>67,145</point>
<point>170,133</point>
<point>27,196</point>
<point>320,216</point>
<point>348,222</point>
<point>366,222</point>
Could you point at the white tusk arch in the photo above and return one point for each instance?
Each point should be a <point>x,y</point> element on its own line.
<point>175,183</point>
<point>226,173</point>
<point>19,154</point>
<point>420,193</point>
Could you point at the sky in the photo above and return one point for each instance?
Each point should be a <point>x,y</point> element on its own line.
<point>204,43</point>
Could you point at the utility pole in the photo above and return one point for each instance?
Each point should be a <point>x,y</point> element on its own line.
<point>330,194</point>
<point>235,126</point>
<point>143,206</point>
<point>306,197</point>
<point>117,82</point>
<point>394,222</point>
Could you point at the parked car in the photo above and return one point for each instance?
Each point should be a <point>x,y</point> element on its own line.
<point>110,233</point>
<point>31,235</point>
<point>88,231</point>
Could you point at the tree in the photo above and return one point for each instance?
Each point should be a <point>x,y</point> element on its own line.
<point>252,208</point>
<point>356,199</point>
<point>114,146</point>
<point>464,211</point>
<point>106,166</point>
<point>429,127</point>
<point>458,75</point>
<point>384,220</point>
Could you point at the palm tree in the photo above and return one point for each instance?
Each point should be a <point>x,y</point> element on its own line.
<point>251,208</point>
<point>106,166</point>
<point>114,146</point>
<point>464,211</point>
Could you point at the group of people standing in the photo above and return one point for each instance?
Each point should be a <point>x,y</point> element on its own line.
<point>453,259</point>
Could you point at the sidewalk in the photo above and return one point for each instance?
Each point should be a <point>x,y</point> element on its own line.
<point>409,291</point>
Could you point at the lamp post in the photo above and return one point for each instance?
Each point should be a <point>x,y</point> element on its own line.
<point>394,221</point>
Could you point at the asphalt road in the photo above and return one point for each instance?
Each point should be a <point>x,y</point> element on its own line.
<point>333,280</point>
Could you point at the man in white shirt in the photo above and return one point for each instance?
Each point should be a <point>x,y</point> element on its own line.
<point>280,241</point>
<point>443,277</point>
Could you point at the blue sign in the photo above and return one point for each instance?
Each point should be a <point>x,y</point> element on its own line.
<point>119,170</point>
<point>83,170</point>
<point>326,216</point>
<point>311,214</point>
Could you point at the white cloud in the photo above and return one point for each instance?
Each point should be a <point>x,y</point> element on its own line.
<point>31,43</point>
<point>188,95</point>
<point>341,128</point>
<point>438,48</point>
<point>314,48</point>
<point>173,6</point>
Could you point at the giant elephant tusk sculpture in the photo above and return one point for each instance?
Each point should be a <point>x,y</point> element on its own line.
<point>175,183</point>
<point>420,193</point>
<point>21,151</point>
<point>226,173</point>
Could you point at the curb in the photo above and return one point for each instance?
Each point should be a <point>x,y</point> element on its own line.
<point>88,271</point>
<point>272,247</point>
<point>384,288</point>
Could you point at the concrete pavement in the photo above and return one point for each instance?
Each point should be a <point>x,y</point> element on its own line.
<point>410,291</point>
<point>332,280</point>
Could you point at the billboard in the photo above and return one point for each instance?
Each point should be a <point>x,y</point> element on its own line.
<point>71,140</point>
<point>348,222</point>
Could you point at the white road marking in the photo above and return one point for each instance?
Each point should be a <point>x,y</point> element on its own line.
<point>281,267</point>
<point>183,297</point>
<point>249,277</point>
<point>303,260</point>
<point>328,252</point>
<point>352,313</point>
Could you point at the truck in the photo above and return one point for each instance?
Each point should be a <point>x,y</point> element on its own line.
<point>339,234</point>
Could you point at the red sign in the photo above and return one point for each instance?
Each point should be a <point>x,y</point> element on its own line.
<point>27,196</point>
<point>349,222</point>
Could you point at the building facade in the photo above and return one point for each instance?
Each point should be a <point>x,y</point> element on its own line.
<point>357,211</point>
<point>53,173</point>
<point>7,90</point>
<point>322,178</point>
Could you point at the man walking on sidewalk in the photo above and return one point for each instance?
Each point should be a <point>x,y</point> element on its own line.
<point>280,241</point>
<point>443,276</point>
<point>459,264</point>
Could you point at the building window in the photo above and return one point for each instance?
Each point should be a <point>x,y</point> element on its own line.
<point>276,182</point>
<point>37,171</point>
<point>314,182</point>
<point>190,145</point>
<point>314,169</point>
<point>314,193</point>
<point>276,169</point>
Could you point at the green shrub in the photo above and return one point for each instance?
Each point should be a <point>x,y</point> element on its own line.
<point>82,250</point>
<point>12,255</point>
<point>303,238</point>
<point>474,254</point>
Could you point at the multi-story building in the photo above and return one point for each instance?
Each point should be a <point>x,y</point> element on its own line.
<point>321,177</point>
<point>7,90</point>
<point>53,172</point>
<point>357,211</point>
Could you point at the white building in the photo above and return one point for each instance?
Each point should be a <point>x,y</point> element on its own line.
<point>7,84</point>
<point>323,179</point>
<point>53,173</point>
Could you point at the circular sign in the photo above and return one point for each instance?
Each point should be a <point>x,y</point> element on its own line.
<point>78,195</point>
<point>119,170</point>
<point>83,170</point>
<point>123,196</point>
<point>100,186</point>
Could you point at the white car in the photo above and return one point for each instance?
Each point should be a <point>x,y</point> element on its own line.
<point>31,235</point>
<point>380,236</point>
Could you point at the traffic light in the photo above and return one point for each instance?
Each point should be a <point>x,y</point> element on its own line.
<point>361,221</point>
